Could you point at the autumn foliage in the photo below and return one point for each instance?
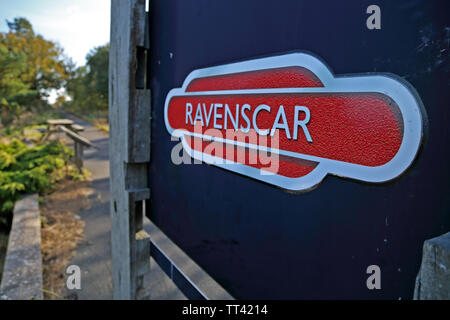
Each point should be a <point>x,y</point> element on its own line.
<point>30,67</point>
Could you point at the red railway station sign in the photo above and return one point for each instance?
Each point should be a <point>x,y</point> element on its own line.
<point>288,121</point>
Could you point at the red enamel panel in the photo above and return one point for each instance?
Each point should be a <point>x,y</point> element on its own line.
<point>287,77</point>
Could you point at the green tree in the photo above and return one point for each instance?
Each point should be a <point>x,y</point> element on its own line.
<point>98,63</point>
<point>13,91</point>
<point>12,64</point>
<point>30,67</point>
<point>88,85</point>
<point>46,66</point>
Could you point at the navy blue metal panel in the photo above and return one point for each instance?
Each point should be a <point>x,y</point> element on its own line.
<point>259,241</point>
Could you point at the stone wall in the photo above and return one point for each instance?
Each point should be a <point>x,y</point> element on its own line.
<point>22,273</point>
<point>433,280</point>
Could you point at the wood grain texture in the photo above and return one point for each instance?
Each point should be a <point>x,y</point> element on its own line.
<point>129,111</point>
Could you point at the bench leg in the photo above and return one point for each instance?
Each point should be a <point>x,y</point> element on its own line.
<point>79,156</point>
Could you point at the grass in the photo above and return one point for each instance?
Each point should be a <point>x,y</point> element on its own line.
<point>101,124</point>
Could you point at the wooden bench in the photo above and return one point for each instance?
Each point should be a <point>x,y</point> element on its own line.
<point>77,128</point>
<point>53,126</point>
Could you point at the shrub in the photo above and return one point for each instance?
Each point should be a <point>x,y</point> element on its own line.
<point>29,169</point>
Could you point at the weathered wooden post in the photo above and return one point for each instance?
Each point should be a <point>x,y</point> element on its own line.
<point>78,156</point>
<point>129,118</point>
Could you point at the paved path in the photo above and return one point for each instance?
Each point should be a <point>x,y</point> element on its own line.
<point>93,254</point>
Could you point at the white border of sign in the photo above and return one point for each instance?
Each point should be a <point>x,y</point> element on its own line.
<point>398,90</point>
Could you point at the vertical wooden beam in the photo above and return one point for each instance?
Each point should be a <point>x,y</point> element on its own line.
<point>78,155</point>
<point>129,118</point>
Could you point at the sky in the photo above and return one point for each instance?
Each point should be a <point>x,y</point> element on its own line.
<point>77,25</point>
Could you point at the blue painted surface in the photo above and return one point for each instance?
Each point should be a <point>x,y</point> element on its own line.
<point>262,242</point>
